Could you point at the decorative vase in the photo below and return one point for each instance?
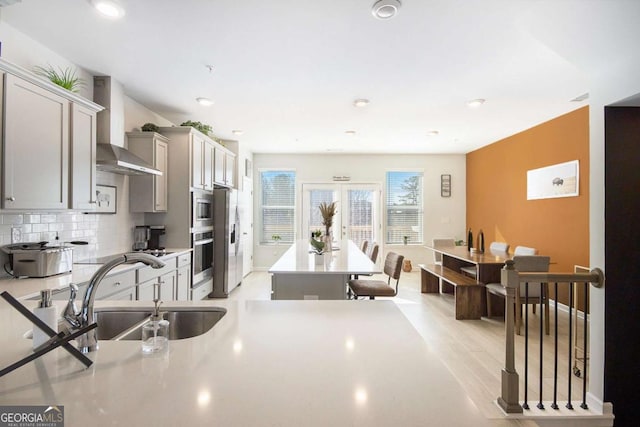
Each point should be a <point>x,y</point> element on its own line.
<point>327,242</point>
<point>319,258</point>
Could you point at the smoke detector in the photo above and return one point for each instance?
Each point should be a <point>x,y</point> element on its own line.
<point>385,9</point>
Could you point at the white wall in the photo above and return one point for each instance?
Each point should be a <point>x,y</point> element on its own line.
<point>444,217</point>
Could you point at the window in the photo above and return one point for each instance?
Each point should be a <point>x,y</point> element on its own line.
<point>278,206</point>
<point>404,207</point>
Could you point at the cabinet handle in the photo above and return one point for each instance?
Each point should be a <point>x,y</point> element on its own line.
<point>11,199</point>
<point>117,284</point>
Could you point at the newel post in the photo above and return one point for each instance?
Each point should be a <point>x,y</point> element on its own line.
<point>509,400</point>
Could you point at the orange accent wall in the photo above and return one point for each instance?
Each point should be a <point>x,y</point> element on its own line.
<point>497,191</point>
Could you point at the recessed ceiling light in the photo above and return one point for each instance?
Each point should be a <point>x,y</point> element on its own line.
<point>361,102</point>
<point>385,9</point>
<point>475,103</point>
<point>108,8</point>
<point>205,101</point>
<point>433,133</point>
<point>350,132</point>
<point>237,131</point>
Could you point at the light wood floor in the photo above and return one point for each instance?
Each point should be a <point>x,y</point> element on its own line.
<point>473,350</point>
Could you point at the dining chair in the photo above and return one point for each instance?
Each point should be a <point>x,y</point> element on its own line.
<point>372,253</point>
<point>437,256</point>
<point>364,245</point>
<point>380,288</point>
<point>537,291</point>
<point>523,250</point>
<point>496,248</point>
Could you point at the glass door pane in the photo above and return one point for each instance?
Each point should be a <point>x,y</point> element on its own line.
<point>358,216</point>
<point>313,195</point>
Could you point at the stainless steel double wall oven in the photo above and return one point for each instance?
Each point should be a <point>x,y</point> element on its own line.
<point>202,236</point>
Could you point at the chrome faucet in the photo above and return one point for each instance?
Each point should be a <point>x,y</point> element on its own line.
<point>84,317</point>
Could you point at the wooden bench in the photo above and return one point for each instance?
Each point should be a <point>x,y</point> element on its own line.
<point>469,294</point>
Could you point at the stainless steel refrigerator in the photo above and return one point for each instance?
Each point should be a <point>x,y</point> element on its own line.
<point>227,248</point>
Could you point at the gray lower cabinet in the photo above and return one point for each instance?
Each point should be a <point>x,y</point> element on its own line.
<point>131,285</point>
<point>125,295</point>
<point>183,283</point>
<point>146,291</point>
<point>202,291</point>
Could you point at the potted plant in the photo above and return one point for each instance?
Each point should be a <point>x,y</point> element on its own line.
<point>317,248</point>
<point>327,210</point>
<point>150,127</point>
<point>65,78</point>
<point>199,126</point>
<point>276,238</point>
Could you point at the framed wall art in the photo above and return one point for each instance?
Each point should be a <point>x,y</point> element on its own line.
<point>106,199</point>
<point>561,180</point>
<point>445,185</point>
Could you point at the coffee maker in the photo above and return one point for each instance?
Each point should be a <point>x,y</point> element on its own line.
<point>148,237</point>
<point>155,231</point>
<point>141,236</point>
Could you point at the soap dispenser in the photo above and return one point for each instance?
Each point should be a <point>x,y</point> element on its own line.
<point>48,314</point>
<point>155,333</point>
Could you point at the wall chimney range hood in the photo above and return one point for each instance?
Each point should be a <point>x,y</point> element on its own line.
<point>111,156</point>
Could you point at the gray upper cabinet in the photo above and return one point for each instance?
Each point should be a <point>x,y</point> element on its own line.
<point>225,167</point>
<point>83,158</point>
<point>198,161</point>
<point>48,144</point>
<point>36,147</point>
<point>149,193</point>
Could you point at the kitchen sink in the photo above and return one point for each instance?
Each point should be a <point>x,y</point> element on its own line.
<point>125,323</point>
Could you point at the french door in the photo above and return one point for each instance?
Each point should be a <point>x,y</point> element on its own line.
<point>358,214</point>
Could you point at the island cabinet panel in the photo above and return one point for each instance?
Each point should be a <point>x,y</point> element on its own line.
<point>148,193</point>
<point>83,158</point>
<point>36,146</point>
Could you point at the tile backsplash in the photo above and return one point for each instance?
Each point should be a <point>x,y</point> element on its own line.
<point>106,234</point>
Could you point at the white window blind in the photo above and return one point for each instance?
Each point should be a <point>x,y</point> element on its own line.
<point>278,205</point>
<point>404,207</point>
<point>315,217</point>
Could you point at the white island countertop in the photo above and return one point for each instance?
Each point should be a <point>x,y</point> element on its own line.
<point>266,363</point>
<point>347,258</point>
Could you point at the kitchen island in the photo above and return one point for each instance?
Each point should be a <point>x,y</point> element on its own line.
<point>265,363</point>
<point>297,275</point>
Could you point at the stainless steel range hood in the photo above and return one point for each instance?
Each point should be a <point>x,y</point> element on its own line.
<point>111,156</point>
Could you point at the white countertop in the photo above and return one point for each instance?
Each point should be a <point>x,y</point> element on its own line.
<point>266,363</point>
<point>348,259</point>
<point>30,287</point>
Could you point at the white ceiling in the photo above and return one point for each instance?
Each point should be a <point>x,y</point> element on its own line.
<point>287,71</point>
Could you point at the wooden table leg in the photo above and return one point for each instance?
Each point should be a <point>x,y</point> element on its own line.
<point>430,283</point>
<point>469,302</point>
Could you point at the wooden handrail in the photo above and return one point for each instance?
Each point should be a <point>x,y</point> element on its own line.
<point>511,279</point>
<point>595,277</point>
